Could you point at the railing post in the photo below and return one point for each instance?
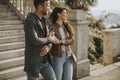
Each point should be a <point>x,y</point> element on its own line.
<point>80,47</point>
<point>82,66</point>
<point>20,5</point>
<point>24,14</point>
<point>17,4</point>
<point>14,3</point>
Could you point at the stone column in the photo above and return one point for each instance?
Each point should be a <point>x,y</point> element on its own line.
<point>80,48</point>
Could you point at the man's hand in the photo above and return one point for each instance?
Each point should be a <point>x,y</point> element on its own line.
<point>53,38</point>
<point>44,51</point>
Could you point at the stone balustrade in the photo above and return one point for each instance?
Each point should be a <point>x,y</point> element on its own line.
<point>21,7</point>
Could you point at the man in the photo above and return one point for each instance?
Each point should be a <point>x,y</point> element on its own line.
<point>38,43</point>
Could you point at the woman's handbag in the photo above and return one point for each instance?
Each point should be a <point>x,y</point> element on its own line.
<point>72,55</point>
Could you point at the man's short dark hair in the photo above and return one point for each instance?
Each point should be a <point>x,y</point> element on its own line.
<point>39,2</point>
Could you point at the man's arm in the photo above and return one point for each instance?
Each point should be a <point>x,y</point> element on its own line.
<point>31,34</point>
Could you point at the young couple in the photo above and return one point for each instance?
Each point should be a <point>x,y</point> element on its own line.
<point>45,44</point>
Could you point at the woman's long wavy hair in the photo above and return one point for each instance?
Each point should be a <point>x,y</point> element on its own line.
<point>54,17</point>
<point>54,14</point>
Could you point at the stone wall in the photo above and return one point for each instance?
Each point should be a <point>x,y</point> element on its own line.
<point>111,44</point>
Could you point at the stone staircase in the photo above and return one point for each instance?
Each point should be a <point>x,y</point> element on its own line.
<point>11,45</point>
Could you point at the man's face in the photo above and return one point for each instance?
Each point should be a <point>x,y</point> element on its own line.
<point>46,7</point>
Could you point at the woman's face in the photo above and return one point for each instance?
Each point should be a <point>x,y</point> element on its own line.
<point>63,15</point>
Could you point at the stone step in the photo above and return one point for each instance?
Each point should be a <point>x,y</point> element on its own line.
<point>12,72</point>
<point>11,39</point>
<point>24,77</point>
<point>11,33</point>
<point>3,6</point>
<point>9,17</point>
<point>7,13</point>
<point>11,54</point>
<point>3,22</point>
<point>8,63</point>
<point>11,46</point>
<point>5,9</point>
<point>11,27</point>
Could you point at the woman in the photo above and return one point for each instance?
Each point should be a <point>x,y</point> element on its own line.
<point>62,64</point>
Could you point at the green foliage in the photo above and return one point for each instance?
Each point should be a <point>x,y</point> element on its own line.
<point>95,44</point>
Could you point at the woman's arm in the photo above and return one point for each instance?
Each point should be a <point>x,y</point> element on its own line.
<point>68,41</point>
